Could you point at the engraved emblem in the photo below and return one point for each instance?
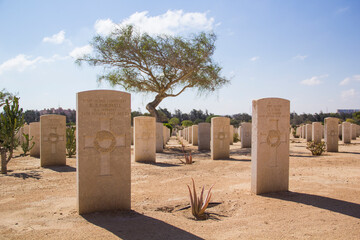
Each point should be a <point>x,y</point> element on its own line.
<point>332,133</point>
<point>53,137</point>
<point>104,141</point>
<point>273,138</point>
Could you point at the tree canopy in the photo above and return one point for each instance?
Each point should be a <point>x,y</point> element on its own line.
<point>164,65</point>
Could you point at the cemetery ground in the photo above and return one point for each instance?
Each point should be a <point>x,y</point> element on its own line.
<point>323,201</point>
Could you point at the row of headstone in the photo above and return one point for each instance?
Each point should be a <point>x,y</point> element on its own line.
<point>49,138</point>
<point>104,139</point>
<point>199,135</point>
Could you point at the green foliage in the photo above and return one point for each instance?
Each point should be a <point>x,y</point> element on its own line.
<point>25,146</point>
<point>168,125</point>
<point>198,120</point>
<point>351,120</point>
<point>236,137</point>
<point>294,132</point>
<point>5,95</point>
<point>11,120</point>
<point>208,119</point>
<point>199,204</point>
<point>159,64</point>
<point>234,122</point>
<point>174,121</point>
<point>316,148</point>
<point>187,123</point>
<point>70,141</point>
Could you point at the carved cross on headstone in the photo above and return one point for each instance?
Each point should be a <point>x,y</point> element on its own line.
<point>104,143</point>
<point>222,135</point>
<point>273,138</point>
<point>53,137</point>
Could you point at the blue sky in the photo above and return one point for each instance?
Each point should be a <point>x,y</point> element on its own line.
<point>304,51</point>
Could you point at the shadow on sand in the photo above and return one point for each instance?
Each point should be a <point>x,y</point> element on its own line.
<point>132,225</point>
<point>331,204</point>
<point>31,174</point>
<point>65,168</point>
<point>161,164</point>
<point>351,152</point>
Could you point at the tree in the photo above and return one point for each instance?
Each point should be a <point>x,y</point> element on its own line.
<point>174,121</point>
<point>186,123</point>
<point>11,120</point>
<point>164,65</point>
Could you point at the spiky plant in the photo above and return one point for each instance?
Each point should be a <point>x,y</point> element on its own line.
<point>199,204</point>
<point>188,157</point>
<point>25,146</point>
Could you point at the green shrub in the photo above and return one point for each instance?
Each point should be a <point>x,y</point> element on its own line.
<point>236,138</point>
<point>25,146</point>
<point>70,141</point>
<point>316,148</point>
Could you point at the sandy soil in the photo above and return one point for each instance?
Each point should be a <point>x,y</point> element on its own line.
<point>323,201</point>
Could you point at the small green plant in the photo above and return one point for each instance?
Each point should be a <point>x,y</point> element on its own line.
<point>199,204</point>
<point>316,148</point>
<point>25,146</point>
<point>236,138</point>
<point>70,141</point>
<point>294,132</point>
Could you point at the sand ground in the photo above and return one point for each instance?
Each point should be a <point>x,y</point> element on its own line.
<point>323,201</point>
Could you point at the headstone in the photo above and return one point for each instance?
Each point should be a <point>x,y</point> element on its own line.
<point>231,135</point>
<point>52,140</point>
<point>159,137</point>
<point>358,131</point>
<point>322,131</point>
<point>220,148</point>
<point>298,131</point>
<point>331,134</point>
<point>190,135</point>
<point>270,145</point>
<point>34,132</point>
<point>353,131</point>
<point>204,130</point>
<point>303,131</point>
<point>239,133</point>
<point>316,132</point>
<point>346,132</point>
<point>103,151</point>
<point>340,131</point>
<point>24,130</point>
<point>145,139</point>
<point>195,134</point>
<point>245,135</point>
<point>308,130</point>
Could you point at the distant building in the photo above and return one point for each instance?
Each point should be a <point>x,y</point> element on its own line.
<point>347,110</point>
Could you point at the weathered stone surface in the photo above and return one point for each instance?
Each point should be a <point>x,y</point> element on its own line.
<point>303,135</point>
<point>145,139</point>
<point>132,135</point>
<point>316,132</point>
<point>204,132</point>
<point>231,134</point>
<point>159,137</point>
<point>194,132</point>
<point>34,132</point>
<point>190,134</point>
<point>103,151</point>
<point>246,135</point>
<point>353,131</point>
<point>331,134</point>
<point>308,130</point>
<point>270,145</point>
<point>220,133</point>
<point>52,140</point>
<point>346,132</point>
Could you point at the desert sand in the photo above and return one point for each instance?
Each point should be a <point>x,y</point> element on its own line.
<point>323,201</point>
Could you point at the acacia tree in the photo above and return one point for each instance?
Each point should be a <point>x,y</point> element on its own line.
<point>164,65</point>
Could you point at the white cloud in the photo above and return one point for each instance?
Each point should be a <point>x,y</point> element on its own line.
<point>315,80</point>
<point>300,57</point>
<point>80,51</point>
<point>57,38</point>
<point>348,93</point>
<point>104,26</point>
<point>171,22</point>
<point>253,59</point>
<point>350,79</point>
<point>22,62</point>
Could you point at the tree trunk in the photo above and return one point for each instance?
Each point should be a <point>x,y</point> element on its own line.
<point>3,161</point>
<point>151,107</point>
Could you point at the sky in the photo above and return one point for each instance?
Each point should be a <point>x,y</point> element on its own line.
<point>305,51</point>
